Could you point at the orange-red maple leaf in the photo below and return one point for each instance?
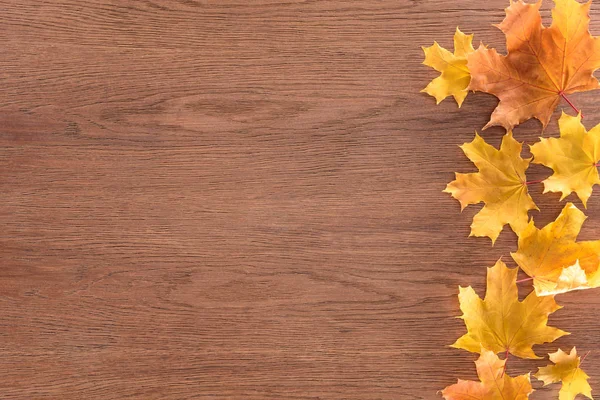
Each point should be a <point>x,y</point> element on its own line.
<point>494,383</point>
<point>543,64</point>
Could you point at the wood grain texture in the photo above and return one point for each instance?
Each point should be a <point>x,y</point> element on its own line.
<point>233,199</point>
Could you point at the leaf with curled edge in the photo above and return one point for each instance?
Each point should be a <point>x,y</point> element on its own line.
<point>554,259</point>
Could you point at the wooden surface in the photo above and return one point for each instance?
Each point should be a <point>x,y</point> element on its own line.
<point>242,199</point>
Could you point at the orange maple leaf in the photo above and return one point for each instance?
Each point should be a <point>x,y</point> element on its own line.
<point>494,383</point>
<point>543,64</point>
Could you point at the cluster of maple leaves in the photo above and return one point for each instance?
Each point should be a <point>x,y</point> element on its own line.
<point>542,66</point>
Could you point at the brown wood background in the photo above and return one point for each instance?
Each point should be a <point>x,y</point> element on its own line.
<point>242,199</point>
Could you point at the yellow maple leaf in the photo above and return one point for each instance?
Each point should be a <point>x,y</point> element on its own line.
<point>567,370</point>
<point>543,64</point>
<point>455,76</point>
<point>495,383</point>
<point>501,322</point>
<point>500,184</point>
<point>553,258</point>
<point>573,157</point>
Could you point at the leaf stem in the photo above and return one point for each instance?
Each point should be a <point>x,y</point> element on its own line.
<point>533,182</point>
<point>525,280</point>
<point>506,362</point>
<point>583,358</point>
<point>562,94</point>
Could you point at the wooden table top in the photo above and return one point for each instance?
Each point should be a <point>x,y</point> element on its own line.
<point>242,199</point>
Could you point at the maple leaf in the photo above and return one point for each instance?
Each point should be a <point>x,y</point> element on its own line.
<point>566,369</point>
<point>542,65</point>
<point>573,157</point>
<point>501,322</point>
<point>552,257</point>
<point>455,76</point>
<point>500,184</point>
<point>494,385</point>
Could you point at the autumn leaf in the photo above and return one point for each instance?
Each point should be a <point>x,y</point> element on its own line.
<point>566,369</point>
<point>542,65</point>
<point>573,157</point>
<point>455,76</point>
<point>501,322</point>
<point>553,258</point>
<point>495,383</point>
<point>500,184</point>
